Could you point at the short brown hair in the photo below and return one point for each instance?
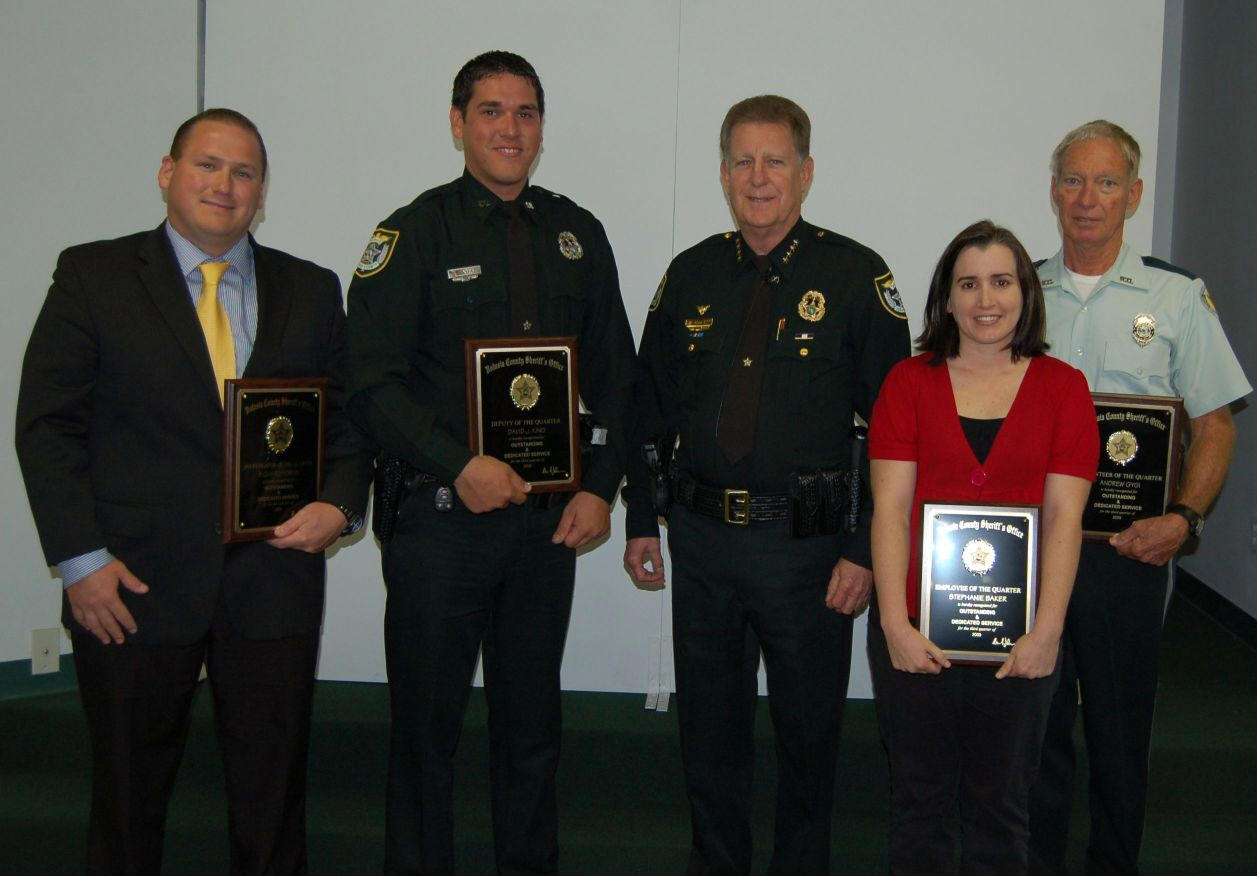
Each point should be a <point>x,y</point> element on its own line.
<point>493,63</point>
<point>217,114</point>
<point>768,109</point>
<point>941,335</point>
<point>1100,129</point>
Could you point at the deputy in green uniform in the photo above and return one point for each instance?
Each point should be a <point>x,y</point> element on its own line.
<point>474,558</point>
<point>759,346</point>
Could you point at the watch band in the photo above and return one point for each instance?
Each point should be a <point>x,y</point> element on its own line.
<point>1195,522</point>
<point>353,520</point>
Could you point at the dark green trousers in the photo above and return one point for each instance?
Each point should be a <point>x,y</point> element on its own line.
<point>457,581</point>
<point>1110,649</point>
<point>738,590</point>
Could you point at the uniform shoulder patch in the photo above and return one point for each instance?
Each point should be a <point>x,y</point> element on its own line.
<point>378,252</point>
<point>654,302</point>
<point>888,294</point>
<point>1207,301</point>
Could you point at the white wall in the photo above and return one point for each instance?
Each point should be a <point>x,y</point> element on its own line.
<point>925,117</point>
<point>92,94</point>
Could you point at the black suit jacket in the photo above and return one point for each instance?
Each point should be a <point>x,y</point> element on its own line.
<point>119,434</point>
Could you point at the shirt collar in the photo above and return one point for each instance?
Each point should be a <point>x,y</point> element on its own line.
<point>188,255</point>
<point>482,203</point>
<point>1128,271</point>
<point>782,256</point>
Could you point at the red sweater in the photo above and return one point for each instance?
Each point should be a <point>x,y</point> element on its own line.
<point>1051,427</point>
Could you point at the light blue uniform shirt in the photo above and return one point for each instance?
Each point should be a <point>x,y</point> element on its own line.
<point>1185,353</point>
<point>237,290</point>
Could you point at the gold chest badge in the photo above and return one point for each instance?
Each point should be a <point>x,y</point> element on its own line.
<point>570,246</point>
<point>812,306</point>
<point>1143,329</point>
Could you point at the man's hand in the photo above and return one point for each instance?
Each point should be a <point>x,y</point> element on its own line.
<point>311,529</point>
<point>639,552</point>
<point>849,588</point>
<point>1154,540</point>
<point>487,483</point>
<point>95,603</point>
<point>586,518</point>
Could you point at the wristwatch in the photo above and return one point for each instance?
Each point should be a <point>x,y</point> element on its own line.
<point>353,520</point>
<point>1195,523</point>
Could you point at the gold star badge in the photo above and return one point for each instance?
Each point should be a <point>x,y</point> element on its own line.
<point>747,362</point>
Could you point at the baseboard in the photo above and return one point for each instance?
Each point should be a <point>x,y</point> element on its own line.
<point>1229,615</point>
<point>16,680</point>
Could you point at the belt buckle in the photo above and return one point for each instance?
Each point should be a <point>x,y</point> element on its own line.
<point>737,507</point>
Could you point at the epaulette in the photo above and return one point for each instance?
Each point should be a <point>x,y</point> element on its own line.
<point>722,237</point>
<point>562,199</point>
<point>433,194</point>
<point>1152,262</point>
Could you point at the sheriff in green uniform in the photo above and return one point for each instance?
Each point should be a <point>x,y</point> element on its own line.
<point>759,347</point>
<point>473,558</point>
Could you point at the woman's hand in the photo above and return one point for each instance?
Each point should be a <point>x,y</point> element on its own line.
<point>1033,656</point>
<point>912,652</point>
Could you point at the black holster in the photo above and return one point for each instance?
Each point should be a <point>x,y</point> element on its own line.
<point>394,478</point>
<point>659,454</point>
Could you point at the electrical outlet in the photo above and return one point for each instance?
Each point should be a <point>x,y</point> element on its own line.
<point>45,650</point>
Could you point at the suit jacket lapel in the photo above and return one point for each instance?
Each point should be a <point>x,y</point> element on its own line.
<point>159,272</point>
<point>275,293</point>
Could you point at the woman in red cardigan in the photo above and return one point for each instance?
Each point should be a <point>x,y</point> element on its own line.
<point>980,416</point>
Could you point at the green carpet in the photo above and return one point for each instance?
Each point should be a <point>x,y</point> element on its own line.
<point>622,803</point>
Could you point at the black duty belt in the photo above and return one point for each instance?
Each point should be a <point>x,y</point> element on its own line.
<point>735,507</point>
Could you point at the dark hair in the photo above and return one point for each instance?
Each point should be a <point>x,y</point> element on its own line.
<point>941,336</point>
<point>217,114</point>
<point>494,64</point>
<point>768,109</point>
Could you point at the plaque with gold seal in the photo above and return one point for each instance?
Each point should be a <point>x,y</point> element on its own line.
<point>1140,455</point>
<point>523,402</point>
<point>979,578</point>
<point>273,452</point>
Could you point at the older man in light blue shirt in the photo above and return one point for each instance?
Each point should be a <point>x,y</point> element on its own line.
<point>1141,326</point>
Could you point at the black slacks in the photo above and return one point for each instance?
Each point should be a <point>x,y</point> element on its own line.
<point>964,750</point>
<point>457,580</point>
<point>737,590</point>
<point>138,698</point>
<point>1112,643</point>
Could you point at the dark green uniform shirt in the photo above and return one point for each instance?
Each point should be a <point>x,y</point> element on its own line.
<point>435,273</point>
<point>837,326</point>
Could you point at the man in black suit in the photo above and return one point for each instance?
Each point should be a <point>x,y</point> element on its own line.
<point>120,439</point>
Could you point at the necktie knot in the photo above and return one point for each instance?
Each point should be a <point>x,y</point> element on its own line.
<point>511,209</point>
<point>212,272</point>
<point>763,264</point>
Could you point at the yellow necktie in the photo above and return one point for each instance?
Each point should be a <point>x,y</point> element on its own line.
<point>213,317</point>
